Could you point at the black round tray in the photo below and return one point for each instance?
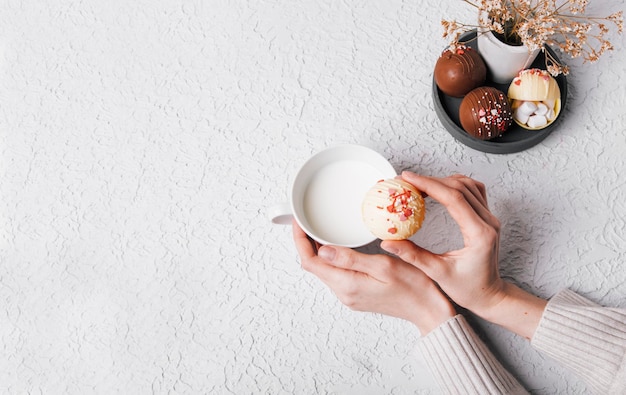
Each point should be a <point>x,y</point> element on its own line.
<point>516,138</point>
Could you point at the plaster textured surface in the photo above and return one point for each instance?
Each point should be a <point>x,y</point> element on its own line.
<point>141,143</point>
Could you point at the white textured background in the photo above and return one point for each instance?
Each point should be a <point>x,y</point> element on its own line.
<point>142,141</point>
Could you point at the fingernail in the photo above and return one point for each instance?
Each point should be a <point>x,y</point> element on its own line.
<point>327,253</point>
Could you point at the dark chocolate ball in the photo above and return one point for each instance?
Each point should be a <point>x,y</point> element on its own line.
<point>485,113</point>
<point>459,71</point>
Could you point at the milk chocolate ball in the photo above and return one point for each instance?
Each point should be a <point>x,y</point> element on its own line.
<point>459,71</point>
<point>485,113</point>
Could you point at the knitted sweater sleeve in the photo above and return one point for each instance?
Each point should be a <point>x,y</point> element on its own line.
<point>462,364</point>
<point>586,338</point>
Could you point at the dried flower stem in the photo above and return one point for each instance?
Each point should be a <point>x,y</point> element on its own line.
<point>541,23</point>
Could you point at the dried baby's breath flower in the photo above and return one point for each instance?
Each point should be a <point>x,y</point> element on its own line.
<point>561,24</point>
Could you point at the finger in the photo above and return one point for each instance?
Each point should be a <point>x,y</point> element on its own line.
<point>476,194</point>
<point>431,264</point>
<point>303,244</point>
<point>374,266</point>
<point>471,224</point>
<point>308,254</point>
<point>477,188</point>
<point>424,194</point>
<point>472,194</point>
<point>321,268</point>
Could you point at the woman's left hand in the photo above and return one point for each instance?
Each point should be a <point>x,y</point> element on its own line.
<point>375,283</point>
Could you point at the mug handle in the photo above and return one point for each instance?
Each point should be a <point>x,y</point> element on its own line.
<point>280,214</point>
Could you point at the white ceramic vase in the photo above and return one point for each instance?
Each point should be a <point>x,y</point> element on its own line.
<point>503,61</point>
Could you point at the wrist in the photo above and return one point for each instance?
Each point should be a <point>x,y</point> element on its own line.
<point>489,298</point>
<point>514,309</point>
<point>438,312</point>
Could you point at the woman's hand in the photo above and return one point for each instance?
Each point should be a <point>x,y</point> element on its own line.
<point>470,276</point>
<point>376,283</point>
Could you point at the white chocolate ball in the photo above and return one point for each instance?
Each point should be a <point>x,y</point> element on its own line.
<point>393,209</point>
<point>535,96</point>
<point>534,85</point>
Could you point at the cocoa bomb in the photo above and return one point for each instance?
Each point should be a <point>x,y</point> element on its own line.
<point>485,113</point>
<point>393,209</point>
<point>535,99</point>
<point>459,71</point>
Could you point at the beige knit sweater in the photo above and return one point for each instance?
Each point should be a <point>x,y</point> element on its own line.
<point>582,336</point>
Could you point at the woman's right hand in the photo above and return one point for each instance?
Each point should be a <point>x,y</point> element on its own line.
<point>470,275</point>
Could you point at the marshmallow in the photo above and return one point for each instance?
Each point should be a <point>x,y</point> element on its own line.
<point>542,109</point>
<point>520,116</point>
<point>527,108</point>
<point>537,121</point>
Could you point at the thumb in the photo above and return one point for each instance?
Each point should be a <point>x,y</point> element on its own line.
<point>431,264</point>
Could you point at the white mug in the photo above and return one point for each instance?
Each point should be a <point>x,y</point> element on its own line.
<point>326,195</point>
